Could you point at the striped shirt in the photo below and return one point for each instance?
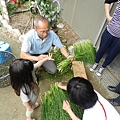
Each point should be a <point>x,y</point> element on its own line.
<point>114,25</point>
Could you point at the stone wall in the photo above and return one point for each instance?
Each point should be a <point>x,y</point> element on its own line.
<point>4,19</point>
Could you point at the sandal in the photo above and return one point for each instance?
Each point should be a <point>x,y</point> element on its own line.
<point>37,105</point>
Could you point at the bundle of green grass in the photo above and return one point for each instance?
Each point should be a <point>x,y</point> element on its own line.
<point>83,51</point>
<point>52,105</point>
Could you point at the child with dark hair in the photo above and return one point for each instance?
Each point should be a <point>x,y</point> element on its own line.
<point>23,82</point>
<point>80,92</point>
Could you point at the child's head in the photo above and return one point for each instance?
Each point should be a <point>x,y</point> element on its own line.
<point>20,74</point>
<point>81,92</point>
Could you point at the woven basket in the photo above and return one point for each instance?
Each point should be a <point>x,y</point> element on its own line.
<point>7,58</point>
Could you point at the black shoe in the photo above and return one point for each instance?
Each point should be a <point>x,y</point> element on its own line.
<point>113,89</point>
<point>113,102</point>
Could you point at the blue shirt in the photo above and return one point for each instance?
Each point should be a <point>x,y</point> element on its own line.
<point>34,45</point>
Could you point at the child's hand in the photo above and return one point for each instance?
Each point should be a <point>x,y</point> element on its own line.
<point>59,84</point>
<point>50,56</point>
<point>66,105</point>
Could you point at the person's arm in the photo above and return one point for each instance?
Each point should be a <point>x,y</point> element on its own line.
<point>107,8</point>
<point>40,62</point>
<point>59,84</point>
<point>27,56</point>
<point>65,52</point>
<point>67,108</point>
<point>107,12</point>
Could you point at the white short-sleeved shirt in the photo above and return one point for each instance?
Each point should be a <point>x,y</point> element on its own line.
<point>32,97</point>
<point>97,112</point>
<point>34,45</point>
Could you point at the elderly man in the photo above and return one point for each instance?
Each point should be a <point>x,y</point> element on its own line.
<point>39,41</point>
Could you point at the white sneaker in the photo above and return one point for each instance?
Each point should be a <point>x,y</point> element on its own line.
<point>100,71</point>
<point>94,67</point>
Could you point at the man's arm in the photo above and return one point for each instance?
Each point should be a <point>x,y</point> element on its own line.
<point>27,56</point>
<point>64,51</point>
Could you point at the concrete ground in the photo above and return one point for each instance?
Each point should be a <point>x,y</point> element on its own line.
<point>11,107</point>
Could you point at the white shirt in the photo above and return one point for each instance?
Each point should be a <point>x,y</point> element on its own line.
<point>97,112</point>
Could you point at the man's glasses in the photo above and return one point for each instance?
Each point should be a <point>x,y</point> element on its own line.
<point>44,32</point>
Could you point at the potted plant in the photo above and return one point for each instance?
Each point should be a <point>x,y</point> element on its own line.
<point>50,9</point>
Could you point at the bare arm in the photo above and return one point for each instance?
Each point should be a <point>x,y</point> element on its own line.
<point>40,62</point>
<point>66,105</point>
<point>59,84</point>
<point>27,56</point>
<point>107,8</point>
<point>67,108</point>
<point>64,51</point>
<point>107,12</point>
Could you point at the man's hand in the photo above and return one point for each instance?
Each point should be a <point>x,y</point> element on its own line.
<point>71,57</point>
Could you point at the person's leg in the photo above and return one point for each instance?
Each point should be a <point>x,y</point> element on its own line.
<point>115,101</point>
<point>118,99</point>
<point>113,52</point>
<point>50,66</point>
<point>118,87</point>
<point>29,114</point>
<point>106,41</point>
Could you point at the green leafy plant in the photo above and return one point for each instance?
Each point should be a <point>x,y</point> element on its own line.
<point>50,11</point>
<point>11,7</point>
<point>52,105</point>
<point>83,51</point>
<point>0,11</point>
<point>66,73</point>
<point>22,1</point>
<point>0,24</point>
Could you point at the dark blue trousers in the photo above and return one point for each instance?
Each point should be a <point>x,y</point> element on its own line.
<point>108,44</point>
<point>118,89</point>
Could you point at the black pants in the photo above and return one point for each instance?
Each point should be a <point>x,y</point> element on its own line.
<point>49,65</point>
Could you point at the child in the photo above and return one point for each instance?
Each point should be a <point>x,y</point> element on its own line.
<point>80,92</point>
<point>22,81</point>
